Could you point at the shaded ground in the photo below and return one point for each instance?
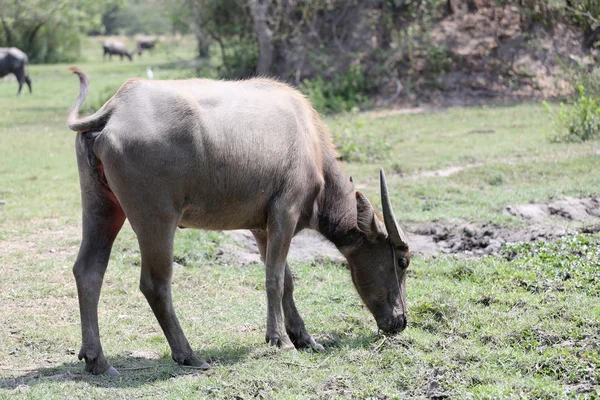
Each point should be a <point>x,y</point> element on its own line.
<point>547,223</point>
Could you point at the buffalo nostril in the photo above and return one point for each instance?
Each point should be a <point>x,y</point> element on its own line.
<point>393,325</point>
<point>403,324</point>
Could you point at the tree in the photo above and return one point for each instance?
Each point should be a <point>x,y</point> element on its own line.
<point>49,31</point>
<point>259,10</point>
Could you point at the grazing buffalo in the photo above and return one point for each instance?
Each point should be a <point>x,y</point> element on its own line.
<point>117,48</point>
<point>223,155</point>
<point>13,60</point>
<point>145,43</point>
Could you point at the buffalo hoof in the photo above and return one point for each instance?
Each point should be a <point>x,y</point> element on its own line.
<point>316,346</point>
<point>107,370</point>
<point>304,340</point>
<point>193,361</point>
<point>284,343</point>
<point>111,371</point>
<point>96,364</point>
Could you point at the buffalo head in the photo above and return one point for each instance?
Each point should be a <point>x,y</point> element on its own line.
<point>379,263</point>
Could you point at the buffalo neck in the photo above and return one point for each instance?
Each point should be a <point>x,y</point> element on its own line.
<point>337,209</point>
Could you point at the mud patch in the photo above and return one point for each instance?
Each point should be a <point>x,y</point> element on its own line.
<point>475,239</point>
<point>546,224</point>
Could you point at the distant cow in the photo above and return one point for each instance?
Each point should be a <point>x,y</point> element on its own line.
<point>117,48</point>
<point>145,43</point>
<point>13,60</point>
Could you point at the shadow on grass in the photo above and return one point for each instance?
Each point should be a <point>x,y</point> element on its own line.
<point>139,371</point>
<point>134,371</point>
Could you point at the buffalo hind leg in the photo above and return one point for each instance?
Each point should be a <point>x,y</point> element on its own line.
<point>28,82</point>
<point>103,218</point>
<point>20,75</point>
<point>155,236</point>
<point>294,324</point>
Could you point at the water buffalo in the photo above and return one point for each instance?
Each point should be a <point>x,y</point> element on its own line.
<point>117,48</point>
<point>145,43</point>
<point>13,60</point>
<point>221,155</point>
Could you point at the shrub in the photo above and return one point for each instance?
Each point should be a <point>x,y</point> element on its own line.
<point>577,123</point>
<point>93,103</point>
<point>354,145</point>
<point>343,92</point>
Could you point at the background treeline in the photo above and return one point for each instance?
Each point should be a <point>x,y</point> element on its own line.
<point>288,38</point>
<point>342,53</point>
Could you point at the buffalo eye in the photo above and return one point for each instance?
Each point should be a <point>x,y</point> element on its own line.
<point>402,263</point>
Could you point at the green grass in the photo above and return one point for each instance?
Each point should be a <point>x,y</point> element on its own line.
<point>523,324</point>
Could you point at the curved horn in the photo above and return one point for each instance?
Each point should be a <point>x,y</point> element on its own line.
<point>395,232</point>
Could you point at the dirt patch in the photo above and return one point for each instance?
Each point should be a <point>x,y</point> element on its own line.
<point>567,208</point>
<point>44,243</point>
<point>333,387</point>
<point>448,171</point>
<point>546,224</point>
<point>475,239</point>
<point>397,111</point>
<point>306,246</point>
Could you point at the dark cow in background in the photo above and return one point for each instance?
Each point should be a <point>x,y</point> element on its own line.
<point>14,61</point>
<point>145,43</point>
<point>117,48</point>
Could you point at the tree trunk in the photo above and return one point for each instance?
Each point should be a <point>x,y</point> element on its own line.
<point>461,6</point>
<point>258,9</point>
<point>472,6</point>
<point>203,45</point>
<point>7,33</point>
<point>450,7</point>
<point>590,38</point>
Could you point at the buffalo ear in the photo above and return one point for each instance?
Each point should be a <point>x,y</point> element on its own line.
<point>367,221</point>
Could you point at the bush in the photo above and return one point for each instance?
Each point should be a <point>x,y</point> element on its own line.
<point>343,92</point>
<point>93,103</point>
<point>354,145</point>
<point>579,122</point>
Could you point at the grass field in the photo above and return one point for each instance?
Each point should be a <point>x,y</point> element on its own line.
<point>524,323</point>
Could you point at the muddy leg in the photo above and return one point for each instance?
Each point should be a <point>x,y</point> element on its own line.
<point>103,217</point>
<point>155,236</point>
<point>294,324</point>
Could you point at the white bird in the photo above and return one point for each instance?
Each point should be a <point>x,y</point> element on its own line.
<point>149,72</point>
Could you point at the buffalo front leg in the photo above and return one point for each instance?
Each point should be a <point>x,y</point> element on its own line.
<point>294,324</point>
<point>103,218</point>
<point>156,246</point>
